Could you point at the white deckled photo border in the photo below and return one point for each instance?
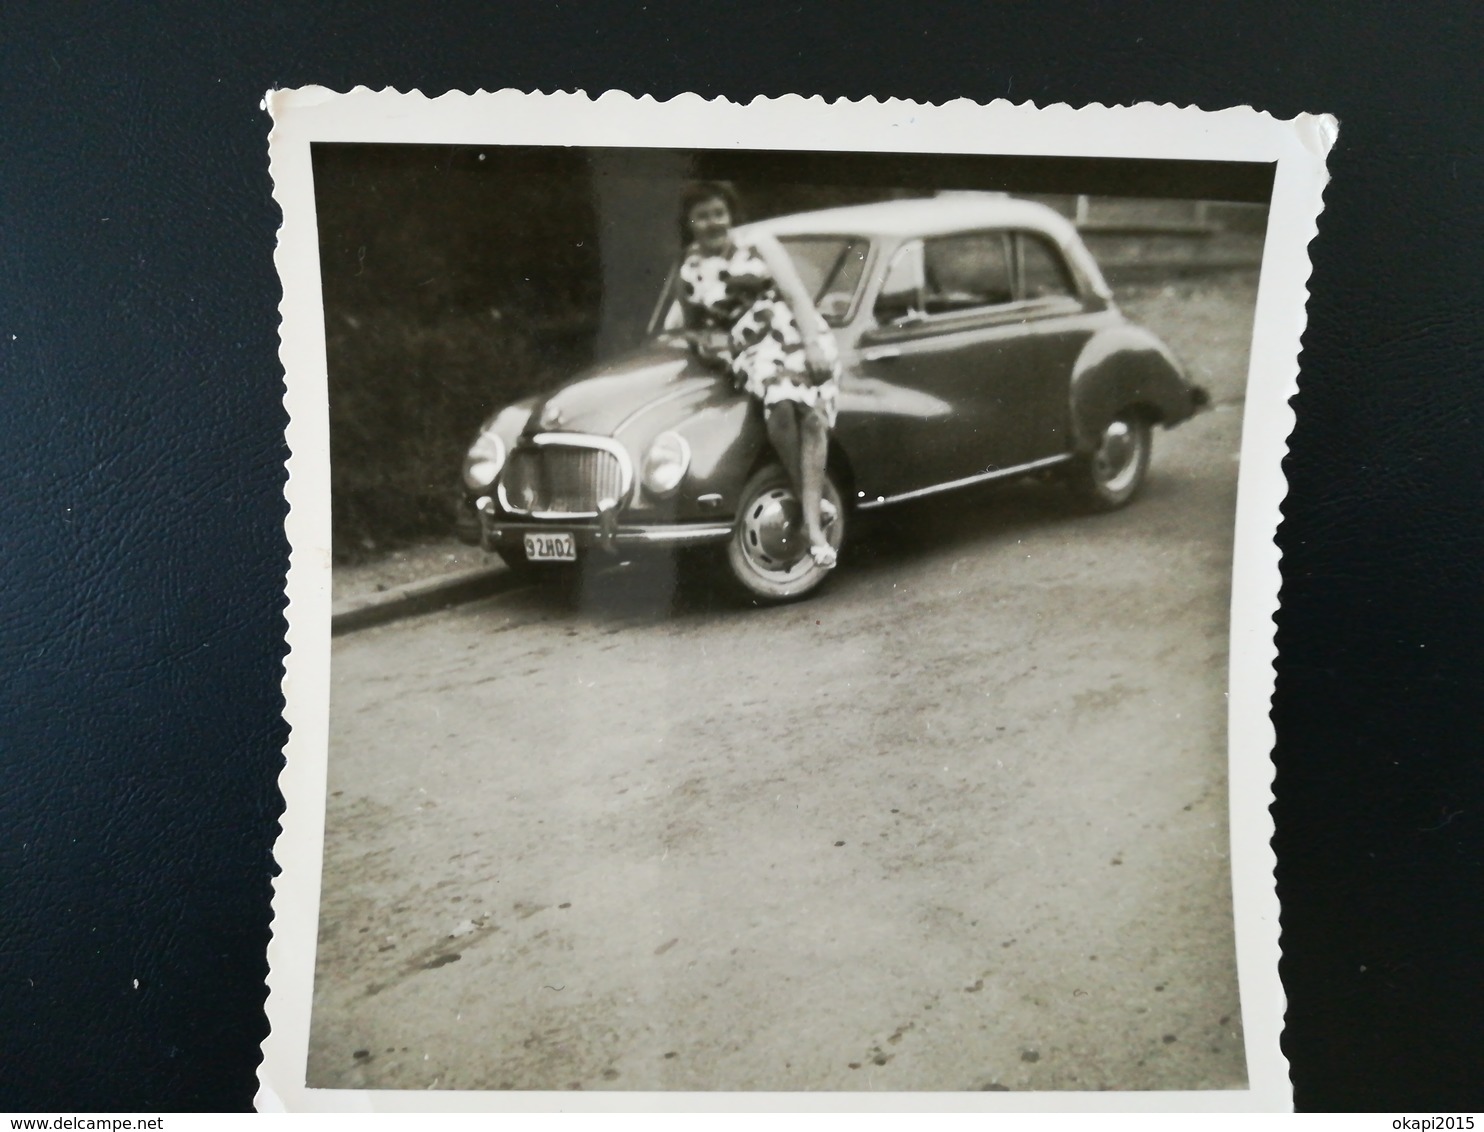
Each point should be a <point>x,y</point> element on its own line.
<point>1297,147</point>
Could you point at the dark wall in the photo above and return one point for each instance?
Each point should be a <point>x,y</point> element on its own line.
<point>432,230</point>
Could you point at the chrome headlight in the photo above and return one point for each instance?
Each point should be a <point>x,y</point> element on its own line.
<point>665,464</point>
<point>483,463</point>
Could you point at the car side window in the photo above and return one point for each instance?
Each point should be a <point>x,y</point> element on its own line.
<point>967,272</point>
<point>901,291</point>
<point>1043,272</point>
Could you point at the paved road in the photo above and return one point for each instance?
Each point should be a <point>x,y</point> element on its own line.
<point>957,823</point>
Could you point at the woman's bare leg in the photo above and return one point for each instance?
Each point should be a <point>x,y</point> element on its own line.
<point>800,436</point>
<point>783,431</point>
<point>814,443</point>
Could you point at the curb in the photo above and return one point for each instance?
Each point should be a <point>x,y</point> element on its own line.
<point>424,596</point>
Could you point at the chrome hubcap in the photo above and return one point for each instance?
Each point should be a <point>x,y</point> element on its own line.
<point>1117,459</point>
<point>773,533</point>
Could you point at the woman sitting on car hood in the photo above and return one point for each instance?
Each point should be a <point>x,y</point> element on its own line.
<point>747,310</point>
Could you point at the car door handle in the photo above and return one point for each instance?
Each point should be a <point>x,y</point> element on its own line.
<point>880,353</point>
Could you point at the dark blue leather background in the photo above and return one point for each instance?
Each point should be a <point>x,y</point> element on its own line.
<point>140,625</point>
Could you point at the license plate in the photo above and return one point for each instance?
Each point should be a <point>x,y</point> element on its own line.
<point>551,548</point>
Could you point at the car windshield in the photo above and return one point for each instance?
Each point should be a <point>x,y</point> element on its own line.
<point>831,268</point>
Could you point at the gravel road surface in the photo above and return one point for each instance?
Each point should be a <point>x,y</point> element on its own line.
<point>959,822</point>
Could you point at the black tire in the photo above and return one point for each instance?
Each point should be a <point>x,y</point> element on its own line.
<point>1109,476</point>
<point>768,554</point>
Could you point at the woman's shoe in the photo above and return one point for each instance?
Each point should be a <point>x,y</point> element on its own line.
<point>824,555</point>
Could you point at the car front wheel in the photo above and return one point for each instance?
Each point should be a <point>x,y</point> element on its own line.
<point>768,555</point>
<point>1112,473</point>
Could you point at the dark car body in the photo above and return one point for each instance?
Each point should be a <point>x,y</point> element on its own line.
<point>978,341</point>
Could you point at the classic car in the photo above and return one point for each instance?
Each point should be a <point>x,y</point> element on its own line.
<point>979,342</point>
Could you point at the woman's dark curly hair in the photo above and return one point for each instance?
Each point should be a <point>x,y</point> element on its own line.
<point>693,193</point>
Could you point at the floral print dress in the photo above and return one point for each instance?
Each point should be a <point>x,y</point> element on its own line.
<point>735,293</point>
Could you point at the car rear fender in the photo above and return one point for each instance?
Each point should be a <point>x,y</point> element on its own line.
<point>1124,367</point>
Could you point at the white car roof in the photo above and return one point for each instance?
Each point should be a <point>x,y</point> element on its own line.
<point>925,217</point>
<point>920,217</point>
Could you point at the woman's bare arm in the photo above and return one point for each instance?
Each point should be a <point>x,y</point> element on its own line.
<point>790,286</point>
<point>811,324</point>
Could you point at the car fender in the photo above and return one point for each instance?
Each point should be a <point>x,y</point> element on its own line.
<point>726,438</point>
<point>729,443</point>
<point>1123,366</point>
<point>510,422</point>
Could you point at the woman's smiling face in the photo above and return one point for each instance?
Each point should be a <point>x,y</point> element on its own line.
<point>710,221</point>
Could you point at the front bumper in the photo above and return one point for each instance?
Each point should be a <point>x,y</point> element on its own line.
<point>499,531</point>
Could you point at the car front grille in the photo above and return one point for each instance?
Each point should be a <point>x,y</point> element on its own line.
<point>555,479</point>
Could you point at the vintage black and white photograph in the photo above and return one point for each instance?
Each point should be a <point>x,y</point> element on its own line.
<point>769,607</point>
